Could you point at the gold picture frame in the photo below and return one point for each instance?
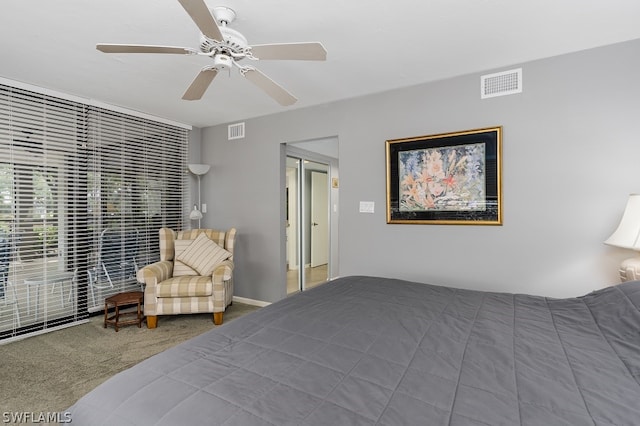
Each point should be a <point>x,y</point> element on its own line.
<point>446,179</point>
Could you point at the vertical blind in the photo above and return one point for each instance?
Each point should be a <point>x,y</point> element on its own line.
<point>83,191</point>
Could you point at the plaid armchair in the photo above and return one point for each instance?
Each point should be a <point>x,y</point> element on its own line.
<point>194,274</point>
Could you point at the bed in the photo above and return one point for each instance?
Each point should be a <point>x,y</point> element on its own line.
<point>368,350</point>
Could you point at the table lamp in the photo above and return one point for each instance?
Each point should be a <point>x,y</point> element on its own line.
<point>627,235</point>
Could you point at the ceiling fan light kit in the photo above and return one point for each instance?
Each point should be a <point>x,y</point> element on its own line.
<point>222,62</point>
<point>227,47</point>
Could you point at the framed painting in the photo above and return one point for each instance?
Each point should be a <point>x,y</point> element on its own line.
<point>449,178</point>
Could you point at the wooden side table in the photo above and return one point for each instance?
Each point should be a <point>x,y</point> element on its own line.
<point>123,299</point>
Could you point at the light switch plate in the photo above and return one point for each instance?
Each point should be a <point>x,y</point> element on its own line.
<point>367,206</point>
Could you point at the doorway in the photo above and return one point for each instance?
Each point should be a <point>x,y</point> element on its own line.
<point>311,210</point>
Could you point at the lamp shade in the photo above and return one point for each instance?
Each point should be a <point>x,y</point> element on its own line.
<point>195,214</point>
<point>199,169</point>
<point>627,235</point>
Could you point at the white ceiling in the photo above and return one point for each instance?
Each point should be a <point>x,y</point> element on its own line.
<point>372,47</point>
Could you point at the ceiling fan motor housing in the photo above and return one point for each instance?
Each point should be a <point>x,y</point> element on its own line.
<point>234,43</point>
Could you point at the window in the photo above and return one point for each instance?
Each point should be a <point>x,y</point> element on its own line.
<point>83,191</point>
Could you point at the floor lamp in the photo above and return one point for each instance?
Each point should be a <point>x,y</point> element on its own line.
<point>198,170</point>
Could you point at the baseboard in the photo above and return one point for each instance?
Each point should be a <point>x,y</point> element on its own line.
<point>251,302</point>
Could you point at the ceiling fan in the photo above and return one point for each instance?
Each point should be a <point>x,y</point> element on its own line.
<point>227,47</point>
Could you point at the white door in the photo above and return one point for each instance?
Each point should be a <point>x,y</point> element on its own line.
<point>319,219</point>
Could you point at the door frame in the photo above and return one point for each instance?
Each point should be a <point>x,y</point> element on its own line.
<point>290,150</point>
<point>319,212</point>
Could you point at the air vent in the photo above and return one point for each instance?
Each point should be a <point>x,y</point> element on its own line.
<point>236,131</point>
<point>501,83</point>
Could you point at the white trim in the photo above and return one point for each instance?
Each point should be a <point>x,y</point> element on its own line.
<point>42,90</point>
<point>123,110</point>
<point>251,302</point>
<point>91,102</point>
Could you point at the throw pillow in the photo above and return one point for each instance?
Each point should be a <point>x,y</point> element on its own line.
<point>180,268</point>
<point>203,255</point>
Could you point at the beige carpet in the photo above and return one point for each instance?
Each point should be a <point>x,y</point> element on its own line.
<point>51,371</point>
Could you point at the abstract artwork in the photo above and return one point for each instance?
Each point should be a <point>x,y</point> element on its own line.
<point>451,178</point>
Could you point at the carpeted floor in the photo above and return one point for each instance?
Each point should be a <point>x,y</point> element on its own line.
<point>49,372</point>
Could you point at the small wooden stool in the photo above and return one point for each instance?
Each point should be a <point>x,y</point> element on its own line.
<point>123,299</point>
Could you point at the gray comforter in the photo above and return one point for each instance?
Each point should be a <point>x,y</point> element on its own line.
<point>366,350</point>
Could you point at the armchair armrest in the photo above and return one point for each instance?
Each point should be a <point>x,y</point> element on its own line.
<point>222,281</point>
<point>223,271</point>
<point>155,273</point>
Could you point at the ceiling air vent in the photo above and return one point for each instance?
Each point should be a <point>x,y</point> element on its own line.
<point>501,83</point>
<point>236,131</point>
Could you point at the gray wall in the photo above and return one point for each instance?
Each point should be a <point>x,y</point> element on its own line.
<point>570,150</point>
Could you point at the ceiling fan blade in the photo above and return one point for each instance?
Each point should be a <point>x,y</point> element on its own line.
<point>293,51</point>
<point>200,84</point>
<point>203,18</point>
<point>270,87</point>
<point>140,48</point>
